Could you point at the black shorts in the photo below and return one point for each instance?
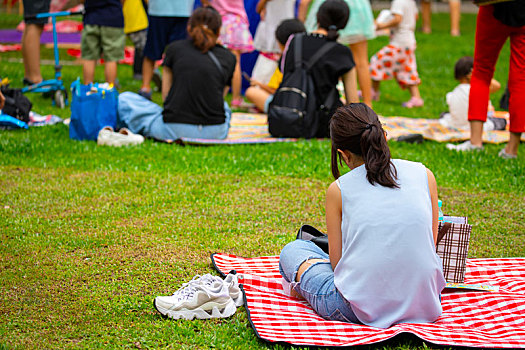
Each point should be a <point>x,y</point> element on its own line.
<point>163,31</point>
<point>33,7</point>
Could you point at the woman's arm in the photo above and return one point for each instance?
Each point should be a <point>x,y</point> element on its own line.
<point>350,84</point>
<point>261,5</point>
<point>334,216</point>
<point>432,187</point>
<point>303,10</point>
<point>167,80</point>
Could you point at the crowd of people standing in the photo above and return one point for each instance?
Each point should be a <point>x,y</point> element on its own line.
<point>155,27</point>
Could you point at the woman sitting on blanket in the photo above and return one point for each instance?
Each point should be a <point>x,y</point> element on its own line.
<point>382,222</point>
<point>195,79</point>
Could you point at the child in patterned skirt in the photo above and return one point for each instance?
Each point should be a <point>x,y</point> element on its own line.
<point>398,60</point>
<point>235,35</point>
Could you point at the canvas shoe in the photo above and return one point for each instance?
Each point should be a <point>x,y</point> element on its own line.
<point>505,155</point>
<point>108,137</point>
<point>465,146</point>
<point>201,298</point>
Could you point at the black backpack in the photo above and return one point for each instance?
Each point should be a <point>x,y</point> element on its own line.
<point>16,104</point>
<point>295,110</point>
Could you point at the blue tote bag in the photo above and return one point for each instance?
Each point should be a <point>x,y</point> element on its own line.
<point>93,107</point>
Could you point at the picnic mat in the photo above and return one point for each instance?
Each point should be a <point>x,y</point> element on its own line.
<point>253,128</point>
<point>245,128</point>
<point>431,129</point>
<point>475,319</point>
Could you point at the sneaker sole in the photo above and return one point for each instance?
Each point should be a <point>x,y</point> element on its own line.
<point>215,310</point>
<point>239,301</point>
<point>117,143</point>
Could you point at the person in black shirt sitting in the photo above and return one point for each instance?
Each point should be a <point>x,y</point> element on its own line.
<point>195,78</point>
<point>337,63</point>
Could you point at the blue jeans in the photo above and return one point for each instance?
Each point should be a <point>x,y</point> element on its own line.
<point>317,282</point>
<point>144,117</point>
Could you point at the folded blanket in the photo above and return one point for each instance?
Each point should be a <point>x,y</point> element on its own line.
<point>476,319</point>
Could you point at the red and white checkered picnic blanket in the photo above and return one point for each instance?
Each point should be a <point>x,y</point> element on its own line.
<point>477,319</point>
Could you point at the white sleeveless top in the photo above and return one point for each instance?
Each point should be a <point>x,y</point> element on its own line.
<point>389,270</point>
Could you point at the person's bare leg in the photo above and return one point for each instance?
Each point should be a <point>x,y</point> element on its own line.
<point>455,15</point>
<point>31,51</point>
<point>88,69</point>
<point>257,96</point>
<point>514,142</point>
<point>414,91</point>
<point>360,53</point>
<point>476,132</point>
<point>426,17</point>
<point>147,73</point>
<point>236,79</point>
<point>110,72</point>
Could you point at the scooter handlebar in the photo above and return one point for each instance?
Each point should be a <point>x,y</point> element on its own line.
<point>54,14</point>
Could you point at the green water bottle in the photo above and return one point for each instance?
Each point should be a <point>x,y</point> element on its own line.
<point>440,215</point>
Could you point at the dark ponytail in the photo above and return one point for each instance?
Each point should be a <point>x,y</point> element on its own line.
<point>332,16</point>
<point>204,26</point>
<point>356,128</point>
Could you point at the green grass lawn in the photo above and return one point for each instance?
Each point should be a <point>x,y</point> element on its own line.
<point>90,235</point>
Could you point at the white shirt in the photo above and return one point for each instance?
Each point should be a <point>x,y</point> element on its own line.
<point>457,101</point>
<point>403,34</point>
<point>389,270</point>
<point>457,117</point>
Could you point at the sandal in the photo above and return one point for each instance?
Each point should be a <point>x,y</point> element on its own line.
<point>237,102</point>
<point>414,102</point>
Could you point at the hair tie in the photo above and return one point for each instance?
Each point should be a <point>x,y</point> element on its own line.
<point>332,27</point>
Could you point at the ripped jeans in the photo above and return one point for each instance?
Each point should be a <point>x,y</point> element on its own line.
<point>317,282</point>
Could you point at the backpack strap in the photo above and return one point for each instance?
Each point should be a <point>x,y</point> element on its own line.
<point>217,63</point>
<point>332,96</point>
<point>329,100</point>
<point>298,50</point>
<point>320,53</point>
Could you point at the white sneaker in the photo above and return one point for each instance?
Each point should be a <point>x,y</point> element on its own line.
<point>465,146</point>
<point>108,137</point>
<point>232,281</point>
<point>503,154</point>
<point>202,298</point>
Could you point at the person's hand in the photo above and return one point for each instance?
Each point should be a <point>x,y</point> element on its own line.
<point>263,14</point>
<point>2,100</point>
<point>254,82</point>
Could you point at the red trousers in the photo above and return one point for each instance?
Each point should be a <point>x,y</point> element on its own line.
<point>491,34</point>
